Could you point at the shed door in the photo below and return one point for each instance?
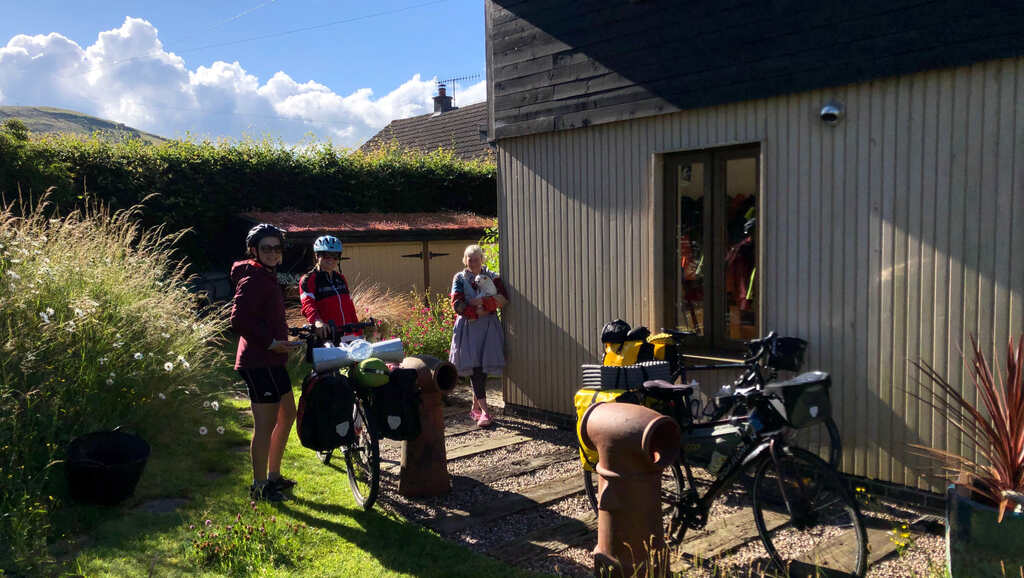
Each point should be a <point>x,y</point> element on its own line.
<point>384,264</point>
<point>712,258</point>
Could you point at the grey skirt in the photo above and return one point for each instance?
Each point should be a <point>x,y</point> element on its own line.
<point>478,343</point>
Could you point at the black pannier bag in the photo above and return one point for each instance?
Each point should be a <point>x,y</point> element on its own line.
<point>394,407</point>
<point>787,353</point>
<point>615,331</point>
<point>805,397</point>
<point>323,419</point>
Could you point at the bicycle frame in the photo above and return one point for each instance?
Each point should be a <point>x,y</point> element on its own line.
<point>749,458</point>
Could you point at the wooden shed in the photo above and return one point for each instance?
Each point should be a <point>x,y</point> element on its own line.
<point>851,173</point>
<point>400,251</point>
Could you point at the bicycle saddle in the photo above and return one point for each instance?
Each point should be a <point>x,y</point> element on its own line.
<point>661,389</point>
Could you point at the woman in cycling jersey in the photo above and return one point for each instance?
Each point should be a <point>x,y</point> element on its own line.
<point>257,316</point>
<point>324,293</point>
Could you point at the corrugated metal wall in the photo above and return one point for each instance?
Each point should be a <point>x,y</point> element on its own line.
<point>890,237</point>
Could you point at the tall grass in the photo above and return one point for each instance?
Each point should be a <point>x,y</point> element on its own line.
<point>424,322</point>
<point>97,330</point>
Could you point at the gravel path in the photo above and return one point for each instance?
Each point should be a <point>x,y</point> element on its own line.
<point>919,559</point>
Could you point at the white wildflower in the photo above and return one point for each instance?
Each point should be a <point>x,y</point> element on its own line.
<point>110,381</point>
<point>103,361</point>
<point>202,430</point>
<point>49,311</point>
<point>117,345</point>
<point>79,312</point>
<point>162,396</point>
<point>44,317</point>
<point>215,406</point>
<point>112,374</point>
<point>165,335</point>
<point>138,355</point>
<point>206,404</point>
<point>70,326</point>
<point>14,275</point>
<point>168,366</point>
<point>220,429</point>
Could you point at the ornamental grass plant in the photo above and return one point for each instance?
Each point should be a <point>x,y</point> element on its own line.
<point>98,330</point>
<point>424,322</point>
<point>995,427</point>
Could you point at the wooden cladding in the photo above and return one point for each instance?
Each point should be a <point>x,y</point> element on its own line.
<point>559,65</point>
<point>888,238</point>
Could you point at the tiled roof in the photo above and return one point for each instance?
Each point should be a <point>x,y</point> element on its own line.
<point>340,223</point>
<point>457,129</point>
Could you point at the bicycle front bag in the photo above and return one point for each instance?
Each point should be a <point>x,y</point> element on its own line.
<point>323,418</point>
<point>805,398</point>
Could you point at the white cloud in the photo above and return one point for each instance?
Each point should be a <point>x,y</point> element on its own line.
<point>471,95</point>
<point>128,76</point>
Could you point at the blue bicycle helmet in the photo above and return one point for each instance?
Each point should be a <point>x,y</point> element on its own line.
<point>327,244</point>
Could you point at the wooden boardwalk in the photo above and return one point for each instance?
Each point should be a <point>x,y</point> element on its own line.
<point>722,536</point>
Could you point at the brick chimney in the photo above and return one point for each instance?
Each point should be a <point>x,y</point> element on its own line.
<point>442,102</point>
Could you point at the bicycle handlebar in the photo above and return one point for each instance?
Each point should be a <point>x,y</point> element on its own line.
<point>310,331</point>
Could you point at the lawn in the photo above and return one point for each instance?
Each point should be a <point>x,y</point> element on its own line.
<point>319,532</point>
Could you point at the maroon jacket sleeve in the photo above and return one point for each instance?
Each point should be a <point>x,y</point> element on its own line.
<point>247,315</point>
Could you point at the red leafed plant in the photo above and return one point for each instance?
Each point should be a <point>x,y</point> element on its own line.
<point>998,436</point>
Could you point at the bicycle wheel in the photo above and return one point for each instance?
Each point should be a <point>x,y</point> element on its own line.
<point>671,495</point>
<point>808,521</point>
<point>823,440</point>
<point>362,459</point>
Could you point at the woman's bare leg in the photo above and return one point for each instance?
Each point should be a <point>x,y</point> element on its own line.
<point>264,417</point>
<point>285,417</point>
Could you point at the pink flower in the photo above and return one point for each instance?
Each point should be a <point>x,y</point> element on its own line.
<point>209,522</point>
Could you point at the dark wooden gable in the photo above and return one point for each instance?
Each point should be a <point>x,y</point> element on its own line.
<point>559,64</point>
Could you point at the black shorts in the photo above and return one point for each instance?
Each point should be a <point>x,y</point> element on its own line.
<point>266,384</point>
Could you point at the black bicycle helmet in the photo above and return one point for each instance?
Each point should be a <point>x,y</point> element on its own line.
<point>262,231</point>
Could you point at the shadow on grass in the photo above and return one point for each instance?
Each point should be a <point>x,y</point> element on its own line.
<point>399,546</point>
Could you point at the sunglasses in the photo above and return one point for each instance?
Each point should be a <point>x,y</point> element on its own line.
<point>271,248</point>
<point>334,256</point>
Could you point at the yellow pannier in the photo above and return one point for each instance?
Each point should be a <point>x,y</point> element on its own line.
<point>585,398</point>
<point>625,353</point>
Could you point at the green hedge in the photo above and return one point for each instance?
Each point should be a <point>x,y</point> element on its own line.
<point>204,184</point>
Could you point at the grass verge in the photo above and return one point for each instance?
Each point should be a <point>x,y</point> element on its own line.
<point>319,532</point>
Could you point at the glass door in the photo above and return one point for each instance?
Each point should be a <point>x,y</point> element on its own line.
<point>711,251</point>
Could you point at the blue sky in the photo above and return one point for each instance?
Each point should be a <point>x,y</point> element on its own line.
<point>229,68</point>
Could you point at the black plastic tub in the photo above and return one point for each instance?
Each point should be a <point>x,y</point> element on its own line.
<point>104,467</point>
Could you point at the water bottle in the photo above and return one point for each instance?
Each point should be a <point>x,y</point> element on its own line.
<point>718,458</point>
<point>359,349</point>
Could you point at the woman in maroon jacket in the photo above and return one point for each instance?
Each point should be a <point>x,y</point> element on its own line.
<point>258,318</point>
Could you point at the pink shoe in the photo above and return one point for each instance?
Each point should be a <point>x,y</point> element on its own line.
<point>484,420</point>
<point>475,414</point>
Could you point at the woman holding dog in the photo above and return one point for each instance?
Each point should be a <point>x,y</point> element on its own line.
<point>478,342</point>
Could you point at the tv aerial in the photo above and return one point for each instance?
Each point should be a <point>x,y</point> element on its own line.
<point>451,82</point>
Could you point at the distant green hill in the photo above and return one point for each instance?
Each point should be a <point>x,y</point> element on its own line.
<point>45,119</point>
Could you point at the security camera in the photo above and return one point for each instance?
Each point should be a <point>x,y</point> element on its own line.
<point>831,113</point>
